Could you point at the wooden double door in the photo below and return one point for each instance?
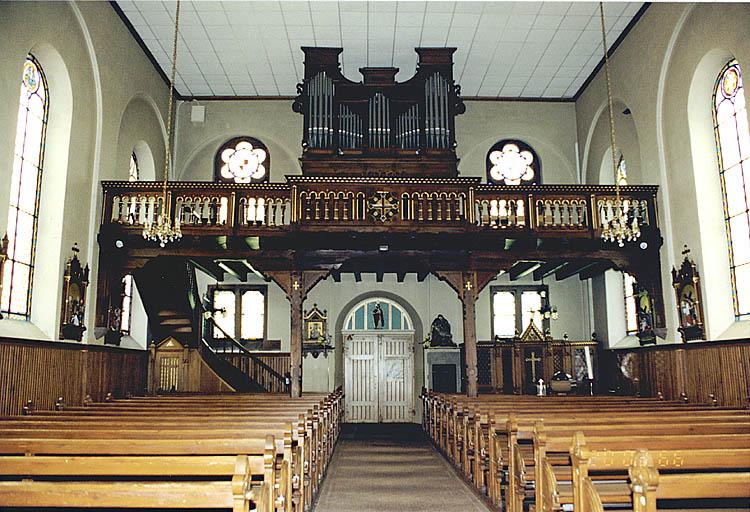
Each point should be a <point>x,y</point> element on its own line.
<point>379,377</point>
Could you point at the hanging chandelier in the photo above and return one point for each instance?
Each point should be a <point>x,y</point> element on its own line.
<point>619,220</point>
<point>161,230</point>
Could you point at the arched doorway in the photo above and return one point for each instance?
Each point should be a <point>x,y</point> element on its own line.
<point>378,339</point>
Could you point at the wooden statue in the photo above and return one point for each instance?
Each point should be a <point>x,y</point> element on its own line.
<point>686,283</point>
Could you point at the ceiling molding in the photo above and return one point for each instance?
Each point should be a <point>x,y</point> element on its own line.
<point>612,49</point>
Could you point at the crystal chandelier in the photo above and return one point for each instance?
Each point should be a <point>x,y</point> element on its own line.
<point>162,230</point>
<point>619,219</point>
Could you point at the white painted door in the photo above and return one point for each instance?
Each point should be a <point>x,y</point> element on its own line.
<point>379,374</point>
<point>396,378</point>
<point>361,377</point>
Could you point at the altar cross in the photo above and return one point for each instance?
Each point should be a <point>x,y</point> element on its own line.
<point>533,359</point>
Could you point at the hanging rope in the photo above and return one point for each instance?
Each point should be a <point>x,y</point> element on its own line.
<point>168,145</point>
<point>610,108</point>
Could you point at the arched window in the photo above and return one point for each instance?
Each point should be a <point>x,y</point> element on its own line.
<point>23,214</point>
<point>622,171</point>
<point>733,143</point>
<point>631,315</point>
<point>513,162</point>
<point>133,171</point>
<point>242,160</point>
<point>378,314</point>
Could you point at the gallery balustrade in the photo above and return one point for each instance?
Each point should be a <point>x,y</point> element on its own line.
<point>376,204</point>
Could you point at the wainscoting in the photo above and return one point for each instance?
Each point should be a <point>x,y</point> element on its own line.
<point>44,371</point>
<point>702,371</point>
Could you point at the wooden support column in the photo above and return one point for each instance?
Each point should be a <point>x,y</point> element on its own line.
<point>468,285</point>
<point>296,284</point>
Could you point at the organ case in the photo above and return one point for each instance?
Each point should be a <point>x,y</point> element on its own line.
<point>379,127</point>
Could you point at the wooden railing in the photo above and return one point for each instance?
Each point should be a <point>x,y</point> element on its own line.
<point>262,367</point>
<point>333,204</point>
<point>708,372</point>
<point>44,371</point>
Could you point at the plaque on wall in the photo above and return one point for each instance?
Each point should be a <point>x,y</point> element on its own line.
<point>686,283</point>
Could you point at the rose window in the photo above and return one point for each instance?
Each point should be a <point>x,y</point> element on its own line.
<point>512,163</point>
<point>243,162</point>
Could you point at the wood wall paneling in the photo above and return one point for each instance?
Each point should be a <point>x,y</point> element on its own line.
<point>44,371</point>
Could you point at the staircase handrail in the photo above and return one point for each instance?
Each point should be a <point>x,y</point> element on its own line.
<point>244,351</point>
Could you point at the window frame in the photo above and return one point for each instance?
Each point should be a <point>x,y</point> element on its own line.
<point>11,262</point>
<point>239,290</point>
<point>743,163</point>
<point>522,146</point>
<point>517,291</point>
<point>231,143</point>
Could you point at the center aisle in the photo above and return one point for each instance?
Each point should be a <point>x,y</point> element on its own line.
<point>391,468</point>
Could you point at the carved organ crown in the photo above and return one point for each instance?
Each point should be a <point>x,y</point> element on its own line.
<point>379,126</point>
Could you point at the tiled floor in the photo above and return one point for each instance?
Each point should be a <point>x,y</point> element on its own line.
<point>392,468</point>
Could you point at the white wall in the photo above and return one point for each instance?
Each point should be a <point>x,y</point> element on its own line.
<point>95,68</point>
<point>664,72</point>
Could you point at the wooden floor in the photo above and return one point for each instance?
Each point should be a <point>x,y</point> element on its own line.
<point>391,468</point>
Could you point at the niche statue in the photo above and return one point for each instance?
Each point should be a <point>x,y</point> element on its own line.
<point>440,333</point>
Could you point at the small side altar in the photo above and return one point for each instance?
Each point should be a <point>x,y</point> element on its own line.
<point>515,365</point>
<point>442,369</point>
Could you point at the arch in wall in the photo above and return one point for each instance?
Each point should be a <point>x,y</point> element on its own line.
<point>141,132</point>
<point>598,150</point>
<point>206,152</point>
<point>339,325</point>
<point>554,160</point>
<point>47,276</point>
<point>714,245</point>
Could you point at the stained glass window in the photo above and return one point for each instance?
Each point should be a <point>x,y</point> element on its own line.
<point>631,316</point>
<point>26,179</point>
<point>733,142</point>
<point>249,302</point>
<point>133,171</point>
<point>126,307</point>
<point>513,308</point>
<point>513,162</point>
<point>361,317</point>
<point>242,160</point>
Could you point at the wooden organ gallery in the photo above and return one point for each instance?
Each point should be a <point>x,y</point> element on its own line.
<point>379,193</point>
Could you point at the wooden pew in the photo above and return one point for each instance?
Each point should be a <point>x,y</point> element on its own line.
<point>81,480</point>
<point>119,427</point>
<point>588,461</point>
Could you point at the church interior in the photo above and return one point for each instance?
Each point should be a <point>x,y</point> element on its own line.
<point>288,256</point>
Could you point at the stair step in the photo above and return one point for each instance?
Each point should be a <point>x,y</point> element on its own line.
<point>176,321</point>
<point>169,313</point>
<point>186,329</point>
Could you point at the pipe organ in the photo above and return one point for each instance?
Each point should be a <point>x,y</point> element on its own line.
<point>379,127</point>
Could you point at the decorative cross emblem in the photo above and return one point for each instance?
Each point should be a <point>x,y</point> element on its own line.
<point>296,285</point>
<point>382,206</point>
<point>468,285</point>
<point>533,359</point>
